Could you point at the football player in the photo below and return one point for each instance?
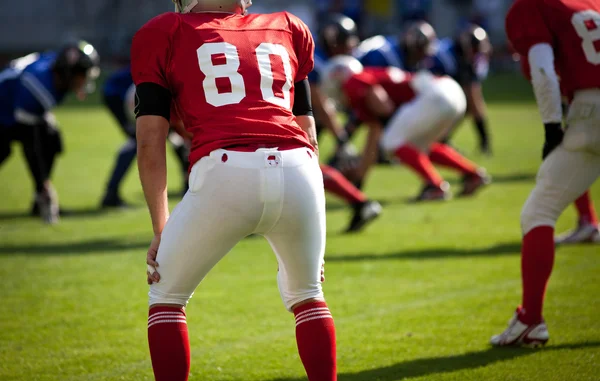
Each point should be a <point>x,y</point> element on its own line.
<point>556,38</point>
<point>338,35</point>
<point>466,59</point>
<point>415,110</point>
<point>405,52</point>
<point>240,85</point>
<point>30,87</point>
<point>118,97</point>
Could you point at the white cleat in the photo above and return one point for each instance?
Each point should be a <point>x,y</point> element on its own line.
<point>519,334</point>
<point>584,233</point>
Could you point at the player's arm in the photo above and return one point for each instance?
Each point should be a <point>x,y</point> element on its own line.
<point>546,87</point>
<point>327,113</point>
<point>152,128</point>
<point>304,113</point>
<point>382,107</point>
<point>531,37</point>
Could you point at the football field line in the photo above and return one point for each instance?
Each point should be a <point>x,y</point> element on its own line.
<point>372,313</point>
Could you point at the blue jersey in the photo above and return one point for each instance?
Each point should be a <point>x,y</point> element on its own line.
<point>448,61</point>
<point>118,83</point>
<point>28,90</point>
<point>381,51</point>
<point>321,58</point>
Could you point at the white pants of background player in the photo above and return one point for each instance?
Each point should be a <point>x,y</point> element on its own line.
<point>571,168</point>
<point>277,194</point>
<point>438,104</point>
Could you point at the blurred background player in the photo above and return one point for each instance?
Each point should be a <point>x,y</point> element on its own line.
<point>555,37</point>
<point>30,87</point>
<point>466,59</point>
<point>118,96</point>
<point>404,51</point>
<point>338,35</point>
<point>255,167</point>
<point>415,110</point>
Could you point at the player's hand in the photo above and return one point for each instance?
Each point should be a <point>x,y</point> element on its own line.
<point>153,275</point>
<point>554,136</point>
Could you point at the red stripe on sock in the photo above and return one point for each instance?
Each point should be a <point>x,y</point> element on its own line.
<point>169,344</point>
<point>537,260</point>
<point>585,209</point>
<point>337,184</point>
<point>447,156</point>
<point>420,163</point>
<point>315,335</point>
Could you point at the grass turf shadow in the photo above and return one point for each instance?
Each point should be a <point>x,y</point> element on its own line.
<point>446,364</point>
<point>75,248</point>
<point>508,248</point>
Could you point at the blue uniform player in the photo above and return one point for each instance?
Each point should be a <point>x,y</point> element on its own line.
<point>466,59</point>
<point>405,52</point>
<point>30,87</point>
<point>118,96</point>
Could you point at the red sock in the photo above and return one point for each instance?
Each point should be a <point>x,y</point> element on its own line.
<point>169,343</point>
<point>585,209</point>
<point>447,156</point>
<point>315,335</point>
<point>420,163</point>
<point>537,259</point>
<point>337,184</point>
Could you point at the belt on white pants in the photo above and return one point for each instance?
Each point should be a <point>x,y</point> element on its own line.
<point>264,157</point>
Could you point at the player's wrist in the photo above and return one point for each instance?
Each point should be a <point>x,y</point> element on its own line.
<point>553,130</point>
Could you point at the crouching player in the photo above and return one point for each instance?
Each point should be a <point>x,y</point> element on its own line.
<point>118,97</point>
<point>30,87</point>
<point>240,85</point>
<point>555,37</point>
<point>415,110</point>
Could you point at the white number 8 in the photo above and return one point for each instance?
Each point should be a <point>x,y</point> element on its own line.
<point>589,36</point>
<point>230,69</point>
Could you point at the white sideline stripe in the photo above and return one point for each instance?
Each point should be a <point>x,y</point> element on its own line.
<point>38,90</point>
<point>167,321</point>
<point>311,310</point>
<point>314,314</point>
<point>314,318</point>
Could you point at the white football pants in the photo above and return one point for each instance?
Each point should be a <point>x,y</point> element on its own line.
<point>277,194</point>
<point>571,168</point>
<point>427,118</point>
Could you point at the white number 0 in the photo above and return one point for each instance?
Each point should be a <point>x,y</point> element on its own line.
<point>230,69</point>
<point>589,36</point>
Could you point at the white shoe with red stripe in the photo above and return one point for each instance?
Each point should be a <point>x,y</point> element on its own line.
<point>522,335</point>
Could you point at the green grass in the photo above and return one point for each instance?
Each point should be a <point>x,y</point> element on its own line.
<point>415,297</point>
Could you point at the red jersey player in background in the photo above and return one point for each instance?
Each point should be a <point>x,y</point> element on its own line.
<point>416,112</point>
<point>240,85</point>
<point>555,36</point>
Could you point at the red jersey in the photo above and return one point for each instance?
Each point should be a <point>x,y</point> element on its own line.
<point>571,27</point>
<point>394,81</point>
<point>231,76</point>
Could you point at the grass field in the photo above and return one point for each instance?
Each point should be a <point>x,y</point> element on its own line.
<point>415,297</point>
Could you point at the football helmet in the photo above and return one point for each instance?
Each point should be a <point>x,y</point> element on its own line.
<point>338,35</point>
<point>235,6</point>
<point>474,40</point>
<point>78,58</point>
<point>337,71</point>
<point>419,39</point>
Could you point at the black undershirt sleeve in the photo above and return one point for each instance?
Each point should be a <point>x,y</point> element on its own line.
<point>302,102</point>
<point>152,99</point>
